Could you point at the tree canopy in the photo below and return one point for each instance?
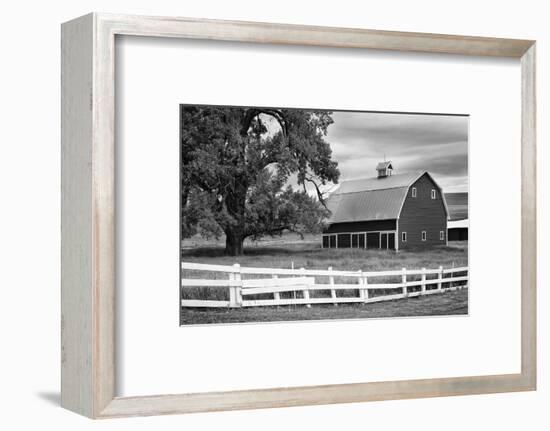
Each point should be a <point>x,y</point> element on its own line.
<point>236,166</point>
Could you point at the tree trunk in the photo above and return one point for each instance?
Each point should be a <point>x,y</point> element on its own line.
<point>235,205</point>
<point>233,243</point>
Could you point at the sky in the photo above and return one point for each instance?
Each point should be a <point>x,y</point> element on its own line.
<point>413,142</point>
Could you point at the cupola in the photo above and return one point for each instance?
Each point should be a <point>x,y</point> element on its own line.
<point>384,169</point>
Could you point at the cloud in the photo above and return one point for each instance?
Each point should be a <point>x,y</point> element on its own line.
<point>413,142</point>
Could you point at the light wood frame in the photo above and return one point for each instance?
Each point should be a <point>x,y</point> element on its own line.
<point>88,215</point>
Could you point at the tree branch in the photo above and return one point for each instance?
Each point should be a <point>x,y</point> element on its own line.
<point>319,192</point>
<point>252,113</point>
<point>273,230</point>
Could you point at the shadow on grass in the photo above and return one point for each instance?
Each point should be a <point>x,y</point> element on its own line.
<point>251,251</point>
<point>315,250</point>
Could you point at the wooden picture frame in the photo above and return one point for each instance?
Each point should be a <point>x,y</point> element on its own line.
<point>88,215</point>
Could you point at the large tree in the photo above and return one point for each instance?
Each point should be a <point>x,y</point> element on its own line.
<point>236,164</point>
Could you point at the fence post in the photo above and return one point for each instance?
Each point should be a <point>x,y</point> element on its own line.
<point>365,291</point>
<point>332,291</point>
<point>232,292</point>
<point>362,281</point>
<point>423,282</point>
<point>306,292</point>
<point>235,292</point>
<point>439,277</point>
<point>451,276</point>
<point>276,295</point>
<point>404,282</point>
<point>460,283</point>
<point>361,292</point>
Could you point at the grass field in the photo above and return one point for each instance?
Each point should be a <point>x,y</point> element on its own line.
<point>443,304</point>
<point>291,252</point>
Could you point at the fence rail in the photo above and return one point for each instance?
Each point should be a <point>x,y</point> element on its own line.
<point>305,281</point>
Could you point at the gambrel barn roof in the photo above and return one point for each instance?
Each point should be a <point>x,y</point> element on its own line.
<point>373,198</point>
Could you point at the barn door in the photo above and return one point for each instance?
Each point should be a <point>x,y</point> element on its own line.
<point>384,241</point>
<point>373,240</point>
<point>391,241</point>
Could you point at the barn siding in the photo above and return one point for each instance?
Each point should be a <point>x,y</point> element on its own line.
<point>422,214</point>
<point>361,226</point>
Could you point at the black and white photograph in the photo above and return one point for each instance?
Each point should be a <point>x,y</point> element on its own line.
<point>306,214</point>
<point>259,216</point>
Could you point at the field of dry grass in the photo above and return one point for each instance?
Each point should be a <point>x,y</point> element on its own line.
<point>291,252</point>
<point>443,304</point>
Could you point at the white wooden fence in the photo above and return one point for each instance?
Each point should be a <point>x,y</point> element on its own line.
<point>303,280</point>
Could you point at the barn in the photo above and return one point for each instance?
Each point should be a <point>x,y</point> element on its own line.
<point>389,211</point>
<point>457,227</point>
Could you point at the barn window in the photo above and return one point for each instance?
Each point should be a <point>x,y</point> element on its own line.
<point>404,236</point>
<point>433,193</point>
<point>423,235</point>
<point>414,192</point>
<point>441,235</point>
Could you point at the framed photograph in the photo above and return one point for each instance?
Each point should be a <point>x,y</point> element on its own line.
<point>288,213</point>
<point>263,215</point>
